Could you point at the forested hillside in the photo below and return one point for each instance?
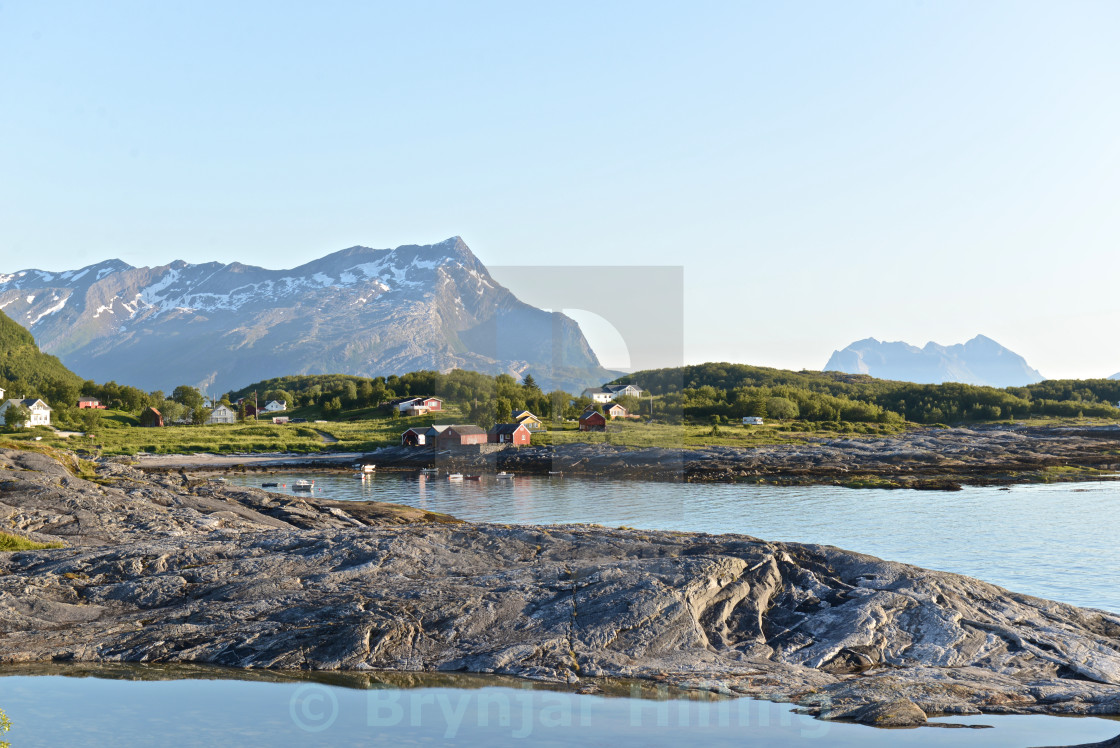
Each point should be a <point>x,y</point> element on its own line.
<point>735,390</point>
<point>485,399</point>
<point>26,372</point>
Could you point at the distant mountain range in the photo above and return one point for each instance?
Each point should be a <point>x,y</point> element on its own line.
<point>358,311</point>
<point>980,361</point>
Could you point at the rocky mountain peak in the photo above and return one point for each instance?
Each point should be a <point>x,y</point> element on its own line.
<point>979,361</point>
<point>359,311</point>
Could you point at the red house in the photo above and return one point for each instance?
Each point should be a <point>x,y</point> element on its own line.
<point>517,434</point>
<point>592,421</point>
<point>458,436</point>
<point>151,418</point>
<point>417,405</point>
<point>85,403</point>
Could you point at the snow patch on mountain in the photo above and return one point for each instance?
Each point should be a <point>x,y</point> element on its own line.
<point>51,310</point>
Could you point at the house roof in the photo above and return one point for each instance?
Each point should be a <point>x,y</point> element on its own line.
<point>612,406</point>
<point>467,428</point>
<point>84,399</point>
<point>519,414</point>
<point>596,390</point>
<point>156,412</point>
<point>436,430</point>
<point>507,428</point>
<point>589,413</point>
<point>30,402</point>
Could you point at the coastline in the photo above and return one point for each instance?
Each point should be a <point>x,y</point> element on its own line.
<point>163,569</point>
<point>924,458</point>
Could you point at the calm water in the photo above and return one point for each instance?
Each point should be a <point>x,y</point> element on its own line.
<point>53,710</point>
<point>1056,541</point>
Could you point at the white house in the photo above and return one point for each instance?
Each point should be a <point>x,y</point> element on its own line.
<point>752,421</point>
<point>608,392</point>
<point>222,414</point>
<point>598,394</point>
<point>39,410</point>
<point>274,406</point>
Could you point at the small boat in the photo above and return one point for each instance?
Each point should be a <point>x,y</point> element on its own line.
<point>556,473</point>
<point>303,485</point>
<point>455,476</point>
<point>472,477</point>
<point>503,475</point>
<point>365,469</point>
<point>429,471</point>
<point>219,480</point>
<point>269,485</point>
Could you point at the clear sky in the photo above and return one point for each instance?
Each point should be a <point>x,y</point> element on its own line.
<point>823,171</point>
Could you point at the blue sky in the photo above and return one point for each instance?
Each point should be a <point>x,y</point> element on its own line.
<point>823,171</point>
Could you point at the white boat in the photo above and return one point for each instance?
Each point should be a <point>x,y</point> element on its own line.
<point>429,471</point>
<point>455,476</point>
<point>303,485</point>
<point>504,474</point>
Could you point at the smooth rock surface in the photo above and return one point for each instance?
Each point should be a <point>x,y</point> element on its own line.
<point>170,570</point>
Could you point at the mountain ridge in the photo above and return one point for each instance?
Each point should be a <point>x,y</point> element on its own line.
<point>979,361</point>
<point>357,310</point>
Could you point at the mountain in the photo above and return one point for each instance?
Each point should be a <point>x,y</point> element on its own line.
<point>980,361</point>
<point>359,311</point>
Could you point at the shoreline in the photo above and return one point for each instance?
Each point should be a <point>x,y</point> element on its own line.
<point>924,459</point>
<point>158,568</point>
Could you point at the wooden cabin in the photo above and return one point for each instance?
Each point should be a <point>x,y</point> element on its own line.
<point>592,421</point>
<point>517,434</point>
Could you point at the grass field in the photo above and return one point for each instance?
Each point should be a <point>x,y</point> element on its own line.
<point>365,430</point>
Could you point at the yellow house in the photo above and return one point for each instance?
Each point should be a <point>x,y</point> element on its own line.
<point>531,421</point>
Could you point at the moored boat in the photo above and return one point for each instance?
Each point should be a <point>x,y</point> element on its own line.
<point>504,475</point>
<point>303,485</point>
<point>455,476</point>
<point>269,485</point>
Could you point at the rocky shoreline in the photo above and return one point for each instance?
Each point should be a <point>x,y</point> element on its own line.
<point>163,569</point>
<point>923,458</point>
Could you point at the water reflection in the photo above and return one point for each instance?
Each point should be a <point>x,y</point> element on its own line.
<point>1055,541</point>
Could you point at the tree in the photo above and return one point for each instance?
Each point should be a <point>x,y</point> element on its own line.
<point>200,415</point>
<point>16,416</point>
<point>90,418</point>
<point>188,396</point>
<point>782,408</point>
<point>631,403</point>
<point>529,383</point>
<point>5,725</point>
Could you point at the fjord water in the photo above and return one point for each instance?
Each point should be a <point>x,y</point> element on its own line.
<point>1056,541</point>
<point>490,711</point>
